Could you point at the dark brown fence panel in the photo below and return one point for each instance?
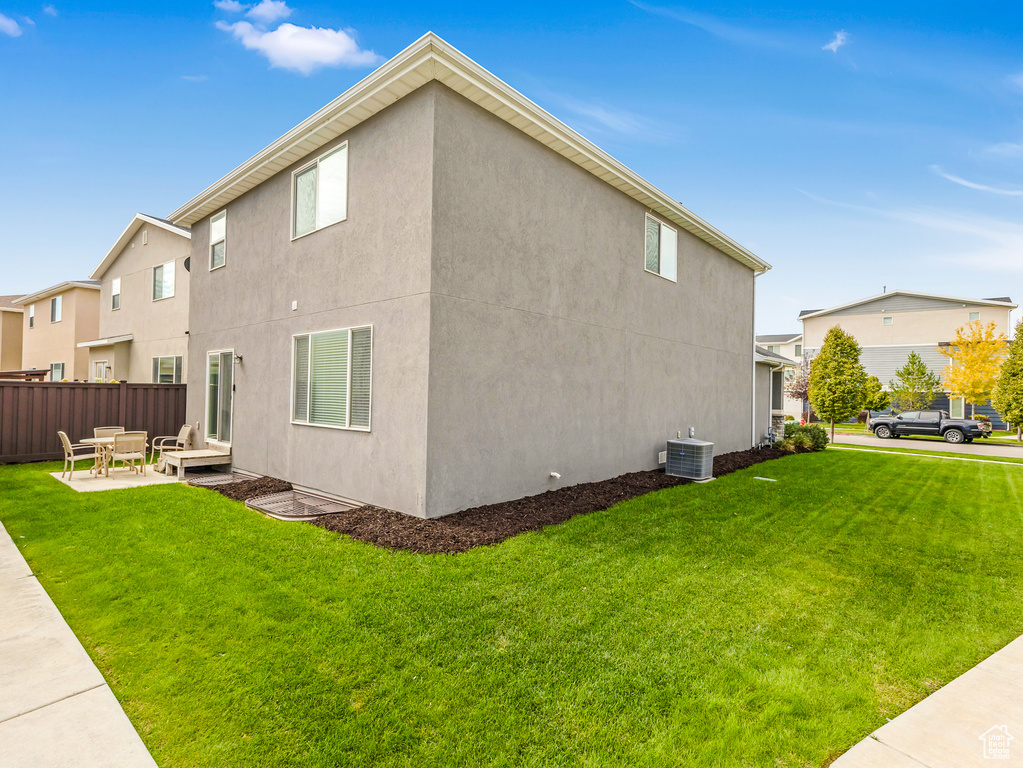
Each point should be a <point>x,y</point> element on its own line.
<point>31,413</point>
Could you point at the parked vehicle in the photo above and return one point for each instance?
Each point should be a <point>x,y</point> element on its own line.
<point>936,423</point>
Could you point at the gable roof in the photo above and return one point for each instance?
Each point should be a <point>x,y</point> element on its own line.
<point>55,289</point>
<point>427,59</point>
<point>7,303</point>
<point>1002,302</point>
<point>779,338</point>
<point>761,355</point>
<point>129,232</point>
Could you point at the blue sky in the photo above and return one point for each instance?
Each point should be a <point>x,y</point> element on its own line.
<point>851,147</point>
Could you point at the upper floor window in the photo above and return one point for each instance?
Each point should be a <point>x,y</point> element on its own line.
<point>774,348</point>
<point>31,315</point>
<point>56,307</point>
<point>218,240</point>
<point>799,350</point>
<point>163,281</point>
<point>115,293</point>
<point>661,249</point>
<point>974,316</point>
<point>319,192</point>
<point>886,321</point>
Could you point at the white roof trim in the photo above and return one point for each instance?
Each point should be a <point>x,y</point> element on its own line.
<point>772,343</point>
<point>959,299</point>
<point>106,342</point>
<point>128,234</point>
<point>54,289</point>
<point>430,58</point>
<point>761,355</point>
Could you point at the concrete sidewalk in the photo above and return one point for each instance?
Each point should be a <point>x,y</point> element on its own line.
<point>972,720</point>
<point>55,708</point>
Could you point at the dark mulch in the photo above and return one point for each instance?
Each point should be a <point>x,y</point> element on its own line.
<point>249,489</point>
<point>494,523</point>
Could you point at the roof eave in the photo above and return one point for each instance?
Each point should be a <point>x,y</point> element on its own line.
<point>976,302</point>
<point>129,232</point>
<point>54,289</point>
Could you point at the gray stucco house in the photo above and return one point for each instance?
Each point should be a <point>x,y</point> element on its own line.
<point>432,295</point>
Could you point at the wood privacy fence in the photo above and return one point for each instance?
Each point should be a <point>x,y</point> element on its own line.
<point>31,413</point>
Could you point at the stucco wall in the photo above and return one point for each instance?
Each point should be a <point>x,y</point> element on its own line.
<point>917,327</point>
<point>48,342</point>
<point>158,326</point>
<point>372,268</point>
<point>551,348</point>
<point>10,340</point>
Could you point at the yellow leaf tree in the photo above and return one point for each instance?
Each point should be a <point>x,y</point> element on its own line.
<point>975,358</point>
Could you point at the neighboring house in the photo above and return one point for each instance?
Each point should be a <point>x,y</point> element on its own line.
<point>891,325</point>
<point>433,295</point>
<point>54,321</point>
<point>10,333</point>
<point>771,369</point>
<point>789,346</point>
<point>143,316</point>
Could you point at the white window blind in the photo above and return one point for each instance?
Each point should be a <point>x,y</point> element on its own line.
<point>661,249</point>
<point>167,370</point>
<point>31,315</point>
<point>56,307</point>
<point>320,192</point>
<point>115,293</point>
<point>332,378</point>
<point>218,240</point>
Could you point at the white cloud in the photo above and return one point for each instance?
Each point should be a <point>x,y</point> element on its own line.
<point>841,37</point>
<point>49,10</point>
<point>9,26</point>
<point>302,49</point>
<point>1006,149</point>
<point>717,27</point>
<point>973,185</point>
<point>230,6</point>
<point>267,12</point>
<point>195,78</point>
<point>27,20</point>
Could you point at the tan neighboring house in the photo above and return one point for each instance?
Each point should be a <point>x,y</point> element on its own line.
<point>789,346</point>
<point>891,325</point>
<point>10,333</point>
<point>53,322</point>
<point>143,306</point>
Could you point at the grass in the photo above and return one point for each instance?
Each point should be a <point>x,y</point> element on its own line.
<point>740,623</point>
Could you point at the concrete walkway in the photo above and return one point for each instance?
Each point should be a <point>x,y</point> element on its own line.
<point>55,708</point>
<point>977,449</point>
<point>956,726</point>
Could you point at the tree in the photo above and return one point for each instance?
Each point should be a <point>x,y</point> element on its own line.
<point>874,396</point>
<point>837,378</point>
<point>798,387</point>
<point>1007,397</point>
<point>975,358</point>
<point>914,386</point>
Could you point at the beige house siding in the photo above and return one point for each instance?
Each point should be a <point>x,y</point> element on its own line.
<point>918,327</point>
<point>10,339</point>
<point>48,343</point>
<point>158,327</point>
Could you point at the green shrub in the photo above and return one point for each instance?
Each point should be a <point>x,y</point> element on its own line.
<point>816,436</point>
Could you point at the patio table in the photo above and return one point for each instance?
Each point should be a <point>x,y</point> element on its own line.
<point>105,443</point>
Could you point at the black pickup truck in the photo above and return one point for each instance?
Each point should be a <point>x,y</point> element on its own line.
<point>936,423</point>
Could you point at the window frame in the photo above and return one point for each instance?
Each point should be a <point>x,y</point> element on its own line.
<point>798,351</point>
<point>105,364</point>
<point>58,302</point>
<point>348,407</point>
<point>292,194</point>
<point>31,316</point>
<point>660,223</point>
<point>63,371</point>
<point>887,320</point>
<point>115,294</point>
<point>974,319</point>
<point>174,288</point>
<point>177,363</point>
<point>223,214</point>
<point>206,396</point>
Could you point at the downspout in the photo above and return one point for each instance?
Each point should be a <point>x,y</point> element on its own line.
<point>753,367</point>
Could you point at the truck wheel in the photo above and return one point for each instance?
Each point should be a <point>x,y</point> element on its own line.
<point>954,436</point>
<point>883,432</point>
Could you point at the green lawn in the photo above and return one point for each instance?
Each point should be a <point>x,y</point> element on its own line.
<point>739,623</point>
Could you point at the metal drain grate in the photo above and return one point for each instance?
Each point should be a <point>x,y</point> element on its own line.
<point>293,505</point>
<point>206,479</point>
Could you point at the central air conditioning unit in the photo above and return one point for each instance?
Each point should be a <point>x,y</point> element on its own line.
<point>691,459</point>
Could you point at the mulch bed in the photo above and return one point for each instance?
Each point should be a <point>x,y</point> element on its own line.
<point>249,489</point>
<point>494,523</point>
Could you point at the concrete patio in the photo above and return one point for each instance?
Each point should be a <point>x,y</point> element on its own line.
<point>56,710</point>
<point>83,482</point>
